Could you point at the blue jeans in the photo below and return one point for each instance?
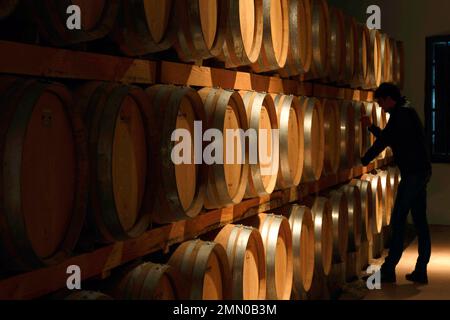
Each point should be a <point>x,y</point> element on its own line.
<point>411,195</point>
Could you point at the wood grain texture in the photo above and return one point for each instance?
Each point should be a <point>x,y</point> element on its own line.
<point>303,244</point>
<point>275,43</point>
<point>201,28</point>
<point>300,43</point>
<point>225,112</point>
<point>145,26</point>
<point>33,60</point>
<point>204,267</point>
<point>121,133</point>
<point>245,251</point>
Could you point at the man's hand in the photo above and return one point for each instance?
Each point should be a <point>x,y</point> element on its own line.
<point>366,121</point>
<point>364,161</point>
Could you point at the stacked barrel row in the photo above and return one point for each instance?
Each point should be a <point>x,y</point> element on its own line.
<point>360,214</point>
<point>291,37</point>
<point>293,254</point>
<point>359,217</point>
<point>112,151</point>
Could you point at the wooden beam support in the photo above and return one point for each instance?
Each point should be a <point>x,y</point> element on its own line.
<point>32,60</point>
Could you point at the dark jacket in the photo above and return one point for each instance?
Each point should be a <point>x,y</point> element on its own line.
<point>405,134</point>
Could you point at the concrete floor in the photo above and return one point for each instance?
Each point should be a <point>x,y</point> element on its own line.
<point>438,272</point>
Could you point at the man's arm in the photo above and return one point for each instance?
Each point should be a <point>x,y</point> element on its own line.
<point>384,138</point>
<point>376,131</point>
<point>378,146</point>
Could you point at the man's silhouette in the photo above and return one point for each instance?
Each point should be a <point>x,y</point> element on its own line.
<point>405,135</point>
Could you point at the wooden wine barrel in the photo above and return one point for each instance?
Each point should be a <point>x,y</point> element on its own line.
<point>377,201</point>
<point>369,76</point>
<point>290,122</point>
<point>359,139</point>
<point>339,213</point>
<point>381,123</point>
<point>302,227</point>
<point>373,78</point>
<point>332,131</point>
<point>368,109</point>
<point>264,152</point>
<point>201,28</point>
<point>323,235</point>
<point>371,111</point>
<point>360,73</point>
<point>150,281</point>
<point>7,7</point>
<point>386,187</point>
<point>97,19</point>
<point>320,39</point>
<point>277,239</point>
<point>350,41</point>
<point>121,131</point>
<point>44,173</point>
<point>354,216</point>
<point>395,62</point>
<point>394,174</point>
<point>314,139</point>
<point>385,57</point>
<point>245,251</point>
<point>181,185</point>
<point>337,49</point>
<point>275,43</point>
<point>244,33</point>
<point>400,63</point>
<point>388,150</point>
<point>375,46</point>
<point>87,295</point>
<point>387,116</point>
<point>145,26</point>
<point>392,60</point>
<point>227,177</point>
<point>381,116</point>
<point>300,43</point>
<point>389,153</point>
<point>204,269</point>
<point>363,51</point>
<point>367,208</point>
<point>347,134</point>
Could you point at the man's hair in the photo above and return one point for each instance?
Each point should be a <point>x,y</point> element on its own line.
<point>388,89</point>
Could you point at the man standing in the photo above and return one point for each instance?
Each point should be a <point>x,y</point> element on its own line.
<point>405,135</point>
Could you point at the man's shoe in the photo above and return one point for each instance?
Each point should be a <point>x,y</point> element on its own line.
<point>387,274</point>
<point>417,277</point>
